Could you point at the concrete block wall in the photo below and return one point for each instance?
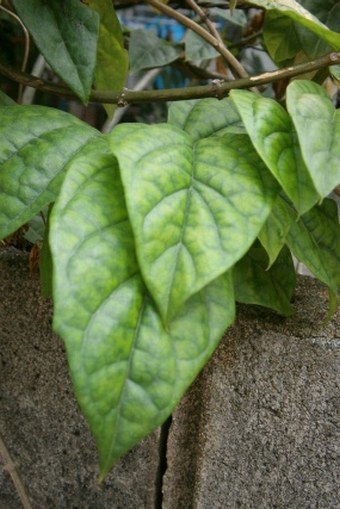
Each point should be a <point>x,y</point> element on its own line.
<point>260,428</point>
<point>40,422</point>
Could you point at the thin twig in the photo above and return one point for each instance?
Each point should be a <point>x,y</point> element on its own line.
<point>26,49</point>
<point>246,40</point>
<point>217,88</point>
<point>203,15</point>
<point>202,32</point>
<point>119,113</point>
<point>220,47</point>
<point>197,72</point>
<point>10,467</point>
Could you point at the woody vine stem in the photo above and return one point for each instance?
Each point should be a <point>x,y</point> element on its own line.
<point>217,88</point>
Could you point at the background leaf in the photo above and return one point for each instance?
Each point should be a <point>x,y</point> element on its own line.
<point>36,144</point>
<point>272,288</point>
<point>281,37</point>
<point>146,51</point>
<point>128,371</point>
<point>112,58</point>
<point>195,208</point>
<point>237,17</point>
<point>318,127</point>
<point>284,38</point>
<point>66,34</point>
<point>198,49</point>
<point>206,117</point>
<point>298,13</point>
<point>272,133</point>
<point>315,241</point>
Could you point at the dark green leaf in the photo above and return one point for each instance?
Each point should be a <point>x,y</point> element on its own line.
<point>206,117</point>
<point>285,38</point>
<point>298,13</point>
<point>195,208</point>
<point>274,232</point>
<point>146,51</point>
<point>36,144</point>
<point>128,371</point>
<point>272,133</point>
<point>46,264</point>
<point>272,288</point>
<point>66,35</point>
<point>197,48</point>
<point>281,37</point>
<point>36,229</point>
<point>112,58</point>
<point>317,123</point>
<point>236,18</point>
<point>315,241</point>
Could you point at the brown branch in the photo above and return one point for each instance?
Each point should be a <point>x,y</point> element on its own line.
<point>195,71</point>
<point>220,46</point>
<point>10,467</point>
<point>217,88</point>
<point>216,43</point>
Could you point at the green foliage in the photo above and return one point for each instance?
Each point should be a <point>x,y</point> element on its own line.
<point>277,283</point>
<point>155,231</point>
<point>273,135</point>
<point>298,13</point>
<point>128,369</point>
<point>197,48</point>
<point>207,117</point>
<point>146,50</point>
<point>285,38</point>
<point>68,39</point>
<point>112,58</point>
<point>317,124</point>
<point>184,201</point>
<point>36,144</point>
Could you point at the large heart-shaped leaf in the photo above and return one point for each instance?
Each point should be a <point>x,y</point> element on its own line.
<point>206,117</point>
<point>128,371</point>
<point>318,127</point>
<point>272,288</point>
<point>195,208</point>
<point>315,241</point>
<point>112,58</point>
<point>36,144</point>
<point>272,133</point>
<point>66,34</point>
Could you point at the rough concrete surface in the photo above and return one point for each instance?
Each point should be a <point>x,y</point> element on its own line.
<point>260,428</point>
<point>40,423</point>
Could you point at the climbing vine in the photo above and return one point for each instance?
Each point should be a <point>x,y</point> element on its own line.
<point>155,231</point>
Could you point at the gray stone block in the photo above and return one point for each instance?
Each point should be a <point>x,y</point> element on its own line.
<point>40,423</point>
<point>260,428</point>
